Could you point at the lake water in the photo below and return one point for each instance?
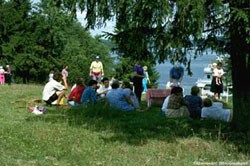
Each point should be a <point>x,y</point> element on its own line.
<point>197,67</point>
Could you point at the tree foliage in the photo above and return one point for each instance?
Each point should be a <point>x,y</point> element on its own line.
<point>168,29</point>
<point>146,30</point>
<point>35,40</point>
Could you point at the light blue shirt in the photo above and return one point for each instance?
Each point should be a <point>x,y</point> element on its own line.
<point>216,112</point>
<point>133,97</point>
<point>117,99</point>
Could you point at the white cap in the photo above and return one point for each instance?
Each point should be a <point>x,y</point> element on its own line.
<point>97,57</point>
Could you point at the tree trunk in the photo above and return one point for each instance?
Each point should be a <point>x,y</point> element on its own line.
<point>240,59</point>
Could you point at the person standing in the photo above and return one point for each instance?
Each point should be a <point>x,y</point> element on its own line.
<point>96,70</point>
<point>217,84</point>
<point>51,75</point>
<point>65,72</point>
<point>146,79</point>
<point>176,75</point>
<point>2,77</point>
<point>8,74</point>
<point>137,80</point>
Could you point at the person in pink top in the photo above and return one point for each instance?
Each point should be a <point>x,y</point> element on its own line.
<point>2,77</point>
<point>65,72</point>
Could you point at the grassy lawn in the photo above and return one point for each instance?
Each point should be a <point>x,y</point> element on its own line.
<point>99,136</point>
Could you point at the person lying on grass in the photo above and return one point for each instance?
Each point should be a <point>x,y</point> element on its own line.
<point>54,90</point>
<point>215,110</point>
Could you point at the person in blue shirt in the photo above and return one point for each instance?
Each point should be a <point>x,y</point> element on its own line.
<point>89,95</point>
<point>129,90</point>
<point>176,75</point>
<point>120,99</point>
<point>194,103</point>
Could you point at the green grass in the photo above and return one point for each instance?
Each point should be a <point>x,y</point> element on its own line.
<point>100,136</point>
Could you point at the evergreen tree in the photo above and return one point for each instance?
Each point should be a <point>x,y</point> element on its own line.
<point>162,30</point>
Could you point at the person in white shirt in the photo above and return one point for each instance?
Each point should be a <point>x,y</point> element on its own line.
<point>54,90</point>
<point>104,88</point>
<point>51,75</point>
<point>165,105</point>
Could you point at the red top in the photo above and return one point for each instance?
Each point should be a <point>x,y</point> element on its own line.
<point>76,94</point>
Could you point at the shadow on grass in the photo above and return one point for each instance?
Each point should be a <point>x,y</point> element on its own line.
<point>137,128</point>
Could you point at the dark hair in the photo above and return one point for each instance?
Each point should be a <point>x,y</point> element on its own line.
<point>207,102</point>
<point>105,79</point>
<point>176,90</point>
<point>115,85</point>
<point>92,82</point>
<point>79,81</point>
<point>219,64</point>
<point>195,90</point>
<point>127,84</point>
<point>57,76</point>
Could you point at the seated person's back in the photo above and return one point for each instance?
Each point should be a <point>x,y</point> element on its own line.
<point>128,89</point>
<point>119,99</point>
<point>194,103</point>
<point>176,99</point>
<point>89,95</point>
<point>74,97</point>
<point>177,106</point>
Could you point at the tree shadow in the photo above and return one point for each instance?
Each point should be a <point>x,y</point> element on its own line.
<point>137,128</point>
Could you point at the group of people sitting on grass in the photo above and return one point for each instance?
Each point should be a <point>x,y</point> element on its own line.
<point>176,105</point>
<point>116,96</point>
<point>123,98</point>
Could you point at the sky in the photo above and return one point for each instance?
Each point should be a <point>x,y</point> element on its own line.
<point>109,27</point>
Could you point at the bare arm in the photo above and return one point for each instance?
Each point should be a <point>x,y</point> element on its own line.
<point>65,83</point>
